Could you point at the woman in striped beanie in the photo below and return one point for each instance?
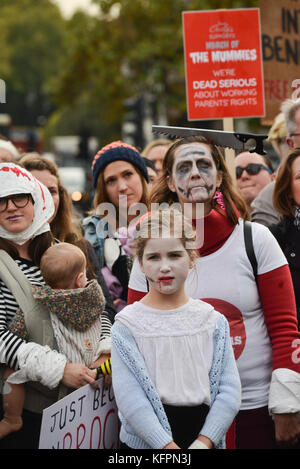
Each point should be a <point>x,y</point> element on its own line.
<point>120,179</point>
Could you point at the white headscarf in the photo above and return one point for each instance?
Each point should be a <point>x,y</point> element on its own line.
<point>16,180</point>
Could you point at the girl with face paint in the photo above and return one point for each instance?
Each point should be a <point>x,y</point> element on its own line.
<point>165,380</point>
<point>261,310</point>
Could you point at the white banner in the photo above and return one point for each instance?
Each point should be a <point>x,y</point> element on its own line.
<point>85,419</point>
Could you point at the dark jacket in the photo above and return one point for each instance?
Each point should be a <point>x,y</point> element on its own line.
<point>288,237</point>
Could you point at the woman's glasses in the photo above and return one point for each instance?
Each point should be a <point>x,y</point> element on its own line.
<point>252,169</point>
<point>19,201</point>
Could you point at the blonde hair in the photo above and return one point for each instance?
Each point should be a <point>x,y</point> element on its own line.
<point>289,107</point>
<point>165,223</point>
<point>282,194</point>
<point>60,265</point>
<point>277,133</point>
<point>159,142</point>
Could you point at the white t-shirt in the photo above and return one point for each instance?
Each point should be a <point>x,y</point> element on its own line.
<point>225,279</point>
<point>177,346</point>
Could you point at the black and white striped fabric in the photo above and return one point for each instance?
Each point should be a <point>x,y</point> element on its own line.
<point>9,343</point>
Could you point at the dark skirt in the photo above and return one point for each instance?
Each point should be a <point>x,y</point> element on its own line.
<point>185,422</point>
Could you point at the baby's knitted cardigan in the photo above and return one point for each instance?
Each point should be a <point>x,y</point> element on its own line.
<point>77,307</point>
<point>135,392</point>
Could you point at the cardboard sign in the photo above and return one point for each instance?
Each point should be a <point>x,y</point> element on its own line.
<point>280,25</point>
<point>85,419</point>
<point>223,64</point>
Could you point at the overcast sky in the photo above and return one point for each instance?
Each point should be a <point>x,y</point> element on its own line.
<point>69,6</point>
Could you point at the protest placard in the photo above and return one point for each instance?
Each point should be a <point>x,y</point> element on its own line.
<point>85,419</point>
<point>280,25</point>
<point>223,64</point>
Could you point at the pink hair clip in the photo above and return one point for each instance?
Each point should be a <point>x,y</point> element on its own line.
<point>219,199</point>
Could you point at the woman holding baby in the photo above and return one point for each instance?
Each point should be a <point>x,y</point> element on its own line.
<point>26,205</point>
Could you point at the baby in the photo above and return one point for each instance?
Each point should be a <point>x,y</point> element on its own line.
<point>75,306</point>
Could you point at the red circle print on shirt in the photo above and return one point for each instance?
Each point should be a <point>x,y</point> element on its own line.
<point>236,323</point>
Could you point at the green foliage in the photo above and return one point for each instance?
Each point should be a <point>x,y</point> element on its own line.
<point>32,35</point>
<point>90,65</point>
<point>134,47</point>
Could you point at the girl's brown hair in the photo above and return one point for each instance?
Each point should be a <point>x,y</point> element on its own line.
<point>282,195</point>
<point>165,223</point>
<point>232,200</point>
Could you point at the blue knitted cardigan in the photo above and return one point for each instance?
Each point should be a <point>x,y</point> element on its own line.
<point>144,422</point>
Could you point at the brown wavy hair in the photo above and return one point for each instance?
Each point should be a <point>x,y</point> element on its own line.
<point>282,195</point>
<point>64,226</point>
<point>232,200</point>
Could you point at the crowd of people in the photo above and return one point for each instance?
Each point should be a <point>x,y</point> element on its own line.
<point>187,277</point>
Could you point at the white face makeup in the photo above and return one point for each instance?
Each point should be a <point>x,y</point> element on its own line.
<point>194,176</point>
<point>166,264</point>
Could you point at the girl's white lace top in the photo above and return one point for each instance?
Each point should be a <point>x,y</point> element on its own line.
<point>177,346</point>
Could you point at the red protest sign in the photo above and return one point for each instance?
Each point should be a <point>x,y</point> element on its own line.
<point>223,64</point>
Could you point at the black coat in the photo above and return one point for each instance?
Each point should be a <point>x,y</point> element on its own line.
<point>288,237</point>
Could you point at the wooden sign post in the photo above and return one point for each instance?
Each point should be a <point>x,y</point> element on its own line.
<point>228,126</point>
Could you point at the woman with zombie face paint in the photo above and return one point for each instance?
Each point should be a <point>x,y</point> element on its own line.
<point>174,374</point>
<point>26,205</point>
<point>261,311</point>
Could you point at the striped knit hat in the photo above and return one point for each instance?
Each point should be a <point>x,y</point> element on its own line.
<point>116,151</point>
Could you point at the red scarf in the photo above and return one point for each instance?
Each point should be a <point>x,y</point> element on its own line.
<point>217,229</point>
